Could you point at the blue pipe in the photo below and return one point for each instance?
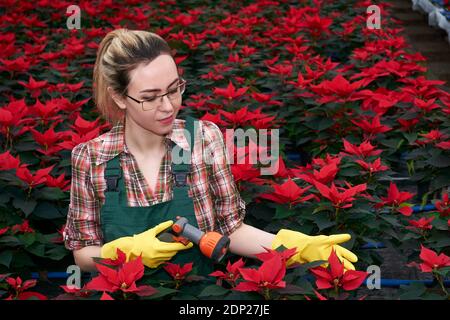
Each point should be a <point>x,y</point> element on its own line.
<point>51,275</point>
<point>373,245</point>
<point>427,207</point>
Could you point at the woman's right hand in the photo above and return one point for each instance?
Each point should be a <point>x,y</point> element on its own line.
<point>153,251</point>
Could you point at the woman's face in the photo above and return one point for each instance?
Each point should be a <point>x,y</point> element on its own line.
<point>146,81</point>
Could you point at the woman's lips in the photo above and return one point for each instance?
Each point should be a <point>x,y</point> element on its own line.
<point>167,120</point>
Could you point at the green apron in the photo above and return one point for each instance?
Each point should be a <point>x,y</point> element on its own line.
<point>119,220</point>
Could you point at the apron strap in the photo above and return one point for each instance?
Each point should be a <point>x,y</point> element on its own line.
<point>113,172</point>
<point>181,171</point>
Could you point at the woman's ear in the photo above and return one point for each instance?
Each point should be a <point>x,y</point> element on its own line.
<point>117,99</point>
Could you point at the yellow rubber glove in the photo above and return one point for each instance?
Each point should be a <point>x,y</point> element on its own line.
<point>154,252</point>
<point>312,248</point>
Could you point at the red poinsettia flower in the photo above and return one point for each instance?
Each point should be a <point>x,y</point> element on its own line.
<point>443,206</point>
<point>284,70</point>
<point>340,199</point>
<point>232,274</point>
<point>426,106</point>
<point>82,126</point>
<point>238,118</point>
<point>408,124</point>
<point>48,140</point>
<point>24,227</point>
<point>19,287</point>
<point>122,279</point>
<point>287,193</point>
<point>396,199</point>
<point>268,276</point>
<point>283,171</point>
<point>371,128</point>
<point>246,172</point>
<point>373,167</point>
<point>121,258</point>
<point>4,230</point>
<point>318,295</point>
<point>230,91</point>
<point>337,90</point>
<point>106,296</point>
<point>334,276</point>
<point>316,25</point>
<point>266,98</point>
<point>34,86</point>
<point>58,182</point>
<point>365,149</point>
<point>7,161</point>
<point>444,145</point>
<point>215,118</point>
<point>378,101</point>
<point>270,253</point>
<point>73,139</point>
<point>422,223</point>
<point>324,175</point>
<point>176,271</point>
<point>33,180</point>
<point>433,136</point>
<point>76,292</point>
<point>431,261</point>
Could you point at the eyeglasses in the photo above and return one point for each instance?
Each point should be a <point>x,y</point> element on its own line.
<point>153,102</point>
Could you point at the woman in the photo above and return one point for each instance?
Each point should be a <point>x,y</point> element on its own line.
<point>123,193</point>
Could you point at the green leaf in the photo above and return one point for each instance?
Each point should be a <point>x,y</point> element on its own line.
<point>392,143</point>
<point>350,172</point>
<point>27,206</point>
<point>10,241</point>
<point>6,258</point>
<point>392,220</point>
<point>46,210</point>
<point>323,222</point>
<point>440,182</point>
<point>440,224</point>
<point>162,292</point>
<point>411,137</point>
<point>213,290</point>
<point>439,161</point>
<point>441,240</point>
<point>57,253</point>
<point>27,239</point>
<point>37,249</point>
<point>319,123</point>
<point>444,272</point>
<point>413,291</point>
<point>50,194</point>
<point>4,198</point>
<point>292,289</point>
<point>283,212</point>
<point>321,208</point>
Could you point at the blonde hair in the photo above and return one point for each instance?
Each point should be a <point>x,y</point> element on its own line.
<point>119,52</point>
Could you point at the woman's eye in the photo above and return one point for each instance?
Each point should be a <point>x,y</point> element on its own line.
<point>148,98</point>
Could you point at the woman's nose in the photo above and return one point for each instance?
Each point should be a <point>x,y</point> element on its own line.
<point>166,104</point>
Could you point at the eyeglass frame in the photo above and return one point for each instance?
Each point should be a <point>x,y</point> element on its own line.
<point>159,96</point>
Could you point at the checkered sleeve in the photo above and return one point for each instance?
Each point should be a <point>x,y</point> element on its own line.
<point>229,207</point>
<point>82,227</point>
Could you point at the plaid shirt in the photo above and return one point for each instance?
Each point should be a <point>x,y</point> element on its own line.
<point>217,202</point>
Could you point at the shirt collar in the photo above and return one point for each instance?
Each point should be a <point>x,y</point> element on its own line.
<point>113,141</point>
